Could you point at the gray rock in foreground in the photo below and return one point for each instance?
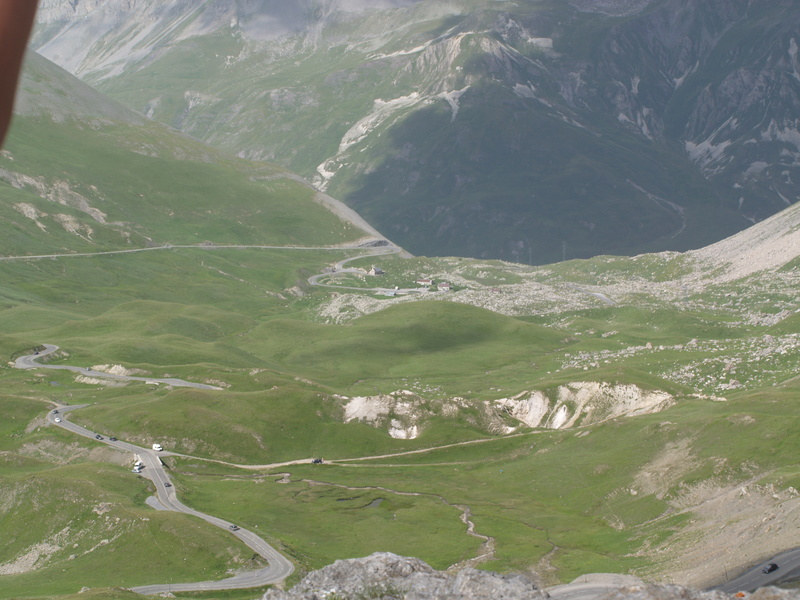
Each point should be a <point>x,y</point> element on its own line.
<point>388,576</point>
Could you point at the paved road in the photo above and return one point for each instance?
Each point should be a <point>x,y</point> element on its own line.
<point>595,585</point>
<point>789,567</point>
<point>202,246</point>
<point>279,567</point>
<point>30,361</point>
<point>340,268</point>
<point>387,248</point>
<point>591,586</point>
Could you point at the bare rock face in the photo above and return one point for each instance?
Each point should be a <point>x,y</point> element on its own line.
<point>386,575</point>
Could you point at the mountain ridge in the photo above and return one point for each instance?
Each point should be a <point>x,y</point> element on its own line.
<point>488,129</point>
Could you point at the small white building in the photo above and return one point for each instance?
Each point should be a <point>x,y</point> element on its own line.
<point>443,287</point>
<point>376,271</point>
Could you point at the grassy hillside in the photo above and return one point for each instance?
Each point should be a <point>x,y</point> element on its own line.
<point>73,515</point>
<point>130,186</point>
<point>445,371</point>
<point>230,322</point>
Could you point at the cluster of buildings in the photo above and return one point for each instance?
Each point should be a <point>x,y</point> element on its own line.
<point>425,282</point>
<point>428,283</point>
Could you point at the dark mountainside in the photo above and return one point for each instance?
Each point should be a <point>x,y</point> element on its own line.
<point>530,131</point>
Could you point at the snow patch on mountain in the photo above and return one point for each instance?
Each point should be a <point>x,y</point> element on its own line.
<point>541,42</point>
<point>776,133</point>
<point>398,53</point>
<point>525,91</point>
<point>452,99</point>
<point>706,153</point>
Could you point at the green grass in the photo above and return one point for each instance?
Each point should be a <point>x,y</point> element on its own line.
<point>441,342</point>
<point>246,319</point>
<point>177,192</point>
<point>94,520</point>
<point>318,524</point>
<point>531,494</point>
<point>520,492</point>
<point>96,594</point>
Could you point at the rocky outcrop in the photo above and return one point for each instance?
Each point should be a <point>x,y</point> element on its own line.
<point>584,403</point>
<point>405,413</point>
<point>386,575</point>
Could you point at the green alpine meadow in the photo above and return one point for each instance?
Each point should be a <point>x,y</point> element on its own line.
<point>340,394</point>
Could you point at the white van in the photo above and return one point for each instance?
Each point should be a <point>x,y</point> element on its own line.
<point>157,447</point>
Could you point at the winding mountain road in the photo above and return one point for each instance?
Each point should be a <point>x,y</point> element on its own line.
<point>30,361</point>
<point>279,567</point>
<point>340,268</point>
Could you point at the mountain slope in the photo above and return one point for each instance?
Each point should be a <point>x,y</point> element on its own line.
<point>604,415</point>
<point>127,182</point>
<point>526,131</point>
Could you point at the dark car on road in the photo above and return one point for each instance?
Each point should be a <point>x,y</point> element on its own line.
<point>99,437</point>
<point>317,461</point>
<point>234,528</point>
<point>112,439</point>
<point>770,568</point>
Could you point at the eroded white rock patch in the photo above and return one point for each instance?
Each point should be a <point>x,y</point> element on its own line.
<point>403,413</point>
